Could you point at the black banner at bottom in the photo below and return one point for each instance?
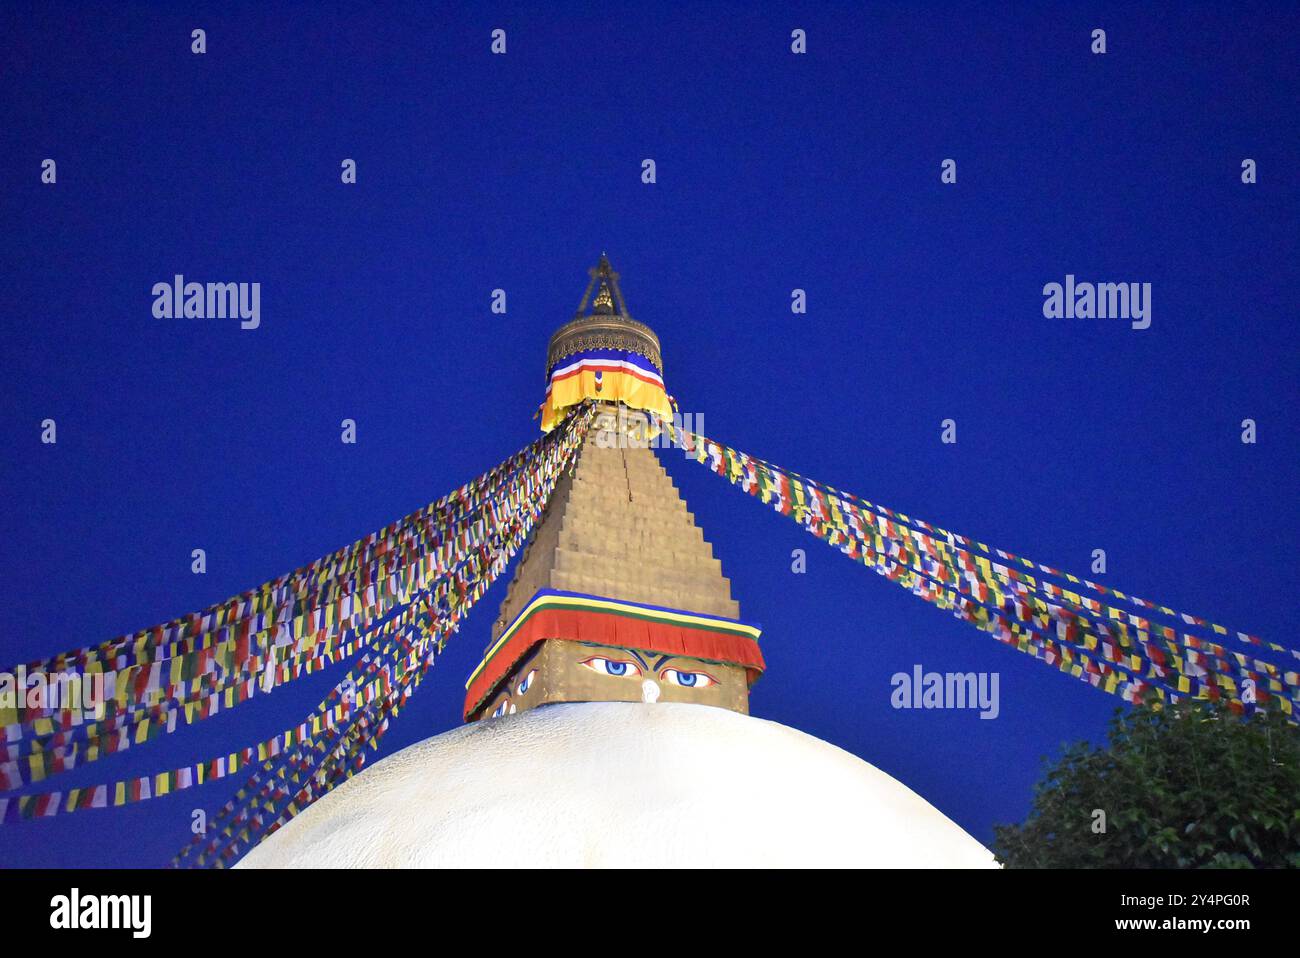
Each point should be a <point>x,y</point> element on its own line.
<point>214,909</point>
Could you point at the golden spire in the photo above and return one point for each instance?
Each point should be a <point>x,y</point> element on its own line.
<point>606,325</point>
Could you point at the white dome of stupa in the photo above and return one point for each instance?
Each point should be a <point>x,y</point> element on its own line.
<point>614,784</point>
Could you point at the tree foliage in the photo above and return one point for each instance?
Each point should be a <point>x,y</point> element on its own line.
<point>1183,786</point>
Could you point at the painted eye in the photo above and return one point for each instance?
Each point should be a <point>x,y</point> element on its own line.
<point>615,667</point>
<point>500,710</point>
<point>527,683</point>
<point>690,680</point>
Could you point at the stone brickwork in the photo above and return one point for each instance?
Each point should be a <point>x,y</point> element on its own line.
<point>618,528</point>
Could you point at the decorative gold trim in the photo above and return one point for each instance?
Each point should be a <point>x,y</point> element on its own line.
<point>604,332</point>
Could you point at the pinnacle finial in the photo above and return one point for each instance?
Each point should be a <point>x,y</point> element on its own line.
<point>604,285</point>
<point>602,321</point>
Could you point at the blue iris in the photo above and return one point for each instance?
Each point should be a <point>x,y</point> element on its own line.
<point>616,668</point>
<point>687,678</point>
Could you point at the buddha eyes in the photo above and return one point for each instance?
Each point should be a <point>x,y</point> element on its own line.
<point>527,682</point>
<point>690,680</point>
<point>621,668</point>
<point>500,710</point>
<point>618,668</point>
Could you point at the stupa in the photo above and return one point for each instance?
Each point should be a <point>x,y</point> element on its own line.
<point>609,718</point>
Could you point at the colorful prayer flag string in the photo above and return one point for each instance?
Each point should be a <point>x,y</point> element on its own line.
<point>432,594</point>
<point>1115,650</point>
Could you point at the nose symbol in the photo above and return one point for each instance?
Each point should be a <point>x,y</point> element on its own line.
<point>649,692</point>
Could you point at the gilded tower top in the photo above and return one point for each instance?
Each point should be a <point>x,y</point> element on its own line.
<point>603,322</point>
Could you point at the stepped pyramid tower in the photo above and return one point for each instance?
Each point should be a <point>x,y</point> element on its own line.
<point>618,597</point>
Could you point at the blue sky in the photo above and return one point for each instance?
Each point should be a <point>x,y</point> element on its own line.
<point>775,172</point>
